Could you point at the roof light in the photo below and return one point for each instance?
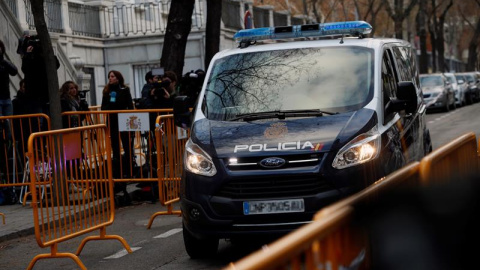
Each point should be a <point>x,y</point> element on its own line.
<point>352,28</point>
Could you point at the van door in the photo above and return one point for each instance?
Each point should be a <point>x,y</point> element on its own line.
<point>406,70</point>
<point>396,147</point>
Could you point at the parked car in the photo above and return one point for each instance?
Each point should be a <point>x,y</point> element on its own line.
<point>437,92</point>
<point>473,81</point>
<point>462,81</point>
<point>459,89</point>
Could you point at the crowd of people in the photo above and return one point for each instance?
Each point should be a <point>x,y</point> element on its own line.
<point>33,96</point>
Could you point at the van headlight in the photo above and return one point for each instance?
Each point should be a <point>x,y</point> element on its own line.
<point>198,161</point>
<point>361,149</point>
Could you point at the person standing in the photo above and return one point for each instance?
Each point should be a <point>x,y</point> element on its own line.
<point>70,101</point>
<point>117,96</point>
<point>6,69</point>
<point>36,82</point>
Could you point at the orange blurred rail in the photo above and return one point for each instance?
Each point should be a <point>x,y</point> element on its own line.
<point>79,197</point>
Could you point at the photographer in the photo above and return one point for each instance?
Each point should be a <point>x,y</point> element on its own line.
<point>70,101</point>
<point>6,69</point>
<point>191,86</point>
<point>33,67</point>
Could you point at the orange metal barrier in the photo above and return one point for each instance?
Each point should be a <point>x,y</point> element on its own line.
<point>456,160</point>
<point>140,166</point>
<point>344,244</point>
<point>171,146</point>
<point>79,197</point>
<point>322,242</point>
<point>14,133</point>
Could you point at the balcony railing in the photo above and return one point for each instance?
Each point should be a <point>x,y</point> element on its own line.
<point>53,15</point>
<point>84,20</point>
<point>149,17</point>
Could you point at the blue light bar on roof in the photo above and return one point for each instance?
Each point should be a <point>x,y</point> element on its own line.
<point>352,28</point>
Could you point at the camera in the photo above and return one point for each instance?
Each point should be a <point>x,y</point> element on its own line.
<point>192,83</point>
<point>27,41</point>
<point>158,87</point>
<point>82,96</point>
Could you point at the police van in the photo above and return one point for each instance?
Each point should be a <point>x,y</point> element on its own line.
<point>282,129</point>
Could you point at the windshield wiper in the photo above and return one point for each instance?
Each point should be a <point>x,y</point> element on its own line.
<point>280,114</point>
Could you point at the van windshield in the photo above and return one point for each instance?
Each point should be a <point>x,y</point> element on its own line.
<point>329,79</point>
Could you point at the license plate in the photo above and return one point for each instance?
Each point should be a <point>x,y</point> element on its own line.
<point>273,207</point>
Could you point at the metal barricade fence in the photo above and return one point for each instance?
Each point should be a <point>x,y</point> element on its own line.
<point>458,158</point>
<point>79,188</point>
<point>134,152</point>
<point>335,241</point>
<point>171,146</point>
<point>332,240</point>
<point>14,133</point>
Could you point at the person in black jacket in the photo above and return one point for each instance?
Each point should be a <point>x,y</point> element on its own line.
<point>71,102</point>
<point>117,96</point>
<point>36,82</point>
<point>6,69</point>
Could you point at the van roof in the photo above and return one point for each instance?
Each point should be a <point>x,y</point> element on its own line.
<point>374,43</point>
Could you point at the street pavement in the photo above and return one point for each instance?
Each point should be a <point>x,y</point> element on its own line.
<point>19,219</point>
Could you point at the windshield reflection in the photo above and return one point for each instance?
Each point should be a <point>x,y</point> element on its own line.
<point>329,79</point>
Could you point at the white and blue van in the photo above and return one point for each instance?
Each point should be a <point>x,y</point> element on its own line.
<point>282,129</point>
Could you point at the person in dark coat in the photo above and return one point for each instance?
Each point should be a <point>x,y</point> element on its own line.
<point>117,96</point>
<point>36,82</point>
<point>70,101</point>
<point>6,69</point>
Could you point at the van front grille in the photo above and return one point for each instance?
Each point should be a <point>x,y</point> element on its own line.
<point>273,187</point>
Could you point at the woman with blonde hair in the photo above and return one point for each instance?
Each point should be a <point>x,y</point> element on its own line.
<point>70,101</point>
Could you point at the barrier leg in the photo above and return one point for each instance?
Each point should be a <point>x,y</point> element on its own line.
<point>169,211</point>
<point>103,236</point>
<point>54,254</point>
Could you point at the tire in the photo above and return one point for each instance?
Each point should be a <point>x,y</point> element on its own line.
<point>199,248</point>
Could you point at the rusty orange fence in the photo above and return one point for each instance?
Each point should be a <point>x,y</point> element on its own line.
<point>334,240</point>
<point>171,146</point>
<point>14,133</point>
<point>134,152</point>
<point>458,159</point>
<point>70,166</point>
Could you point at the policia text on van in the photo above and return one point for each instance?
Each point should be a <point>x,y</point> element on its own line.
<point>281,130</point>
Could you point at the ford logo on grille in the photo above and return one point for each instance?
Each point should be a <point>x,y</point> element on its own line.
<point>272,162</point>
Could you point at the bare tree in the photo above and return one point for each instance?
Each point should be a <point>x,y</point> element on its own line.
<point>370,11</point>
<point>472,60</point>
<point>50,62</point>
<point>212,35</point>
<point>439,30</point>
<point>422,34</point>
<point>178,28</point>
<point>399,13</point>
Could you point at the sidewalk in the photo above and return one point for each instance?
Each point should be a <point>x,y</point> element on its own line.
<point>19,219</point>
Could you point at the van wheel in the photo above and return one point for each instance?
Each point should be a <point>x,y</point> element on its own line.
<point>199,248</point>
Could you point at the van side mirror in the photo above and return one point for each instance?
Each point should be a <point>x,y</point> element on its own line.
<point>406,97</point>
<point>181,112</point>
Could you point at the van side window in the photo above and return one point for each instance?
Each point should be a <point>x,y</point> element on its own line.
<point>406,64</point>
<point>403,64</point>
<point>388,84</point>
